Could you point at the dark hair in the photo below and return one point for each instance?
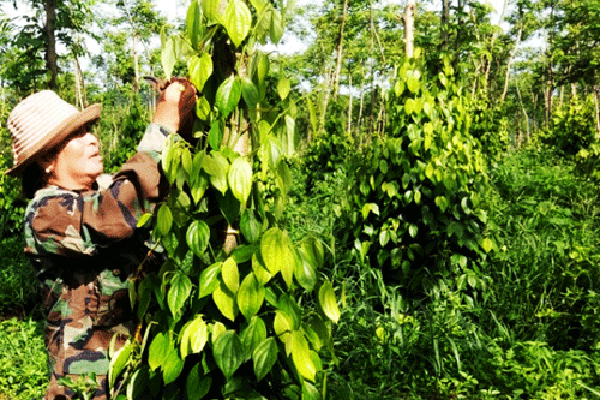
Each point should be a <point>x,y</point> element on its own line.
<point>33,179</point>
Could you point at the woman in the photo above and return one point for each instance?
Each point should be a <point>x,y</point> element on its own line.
<point>83,241</point>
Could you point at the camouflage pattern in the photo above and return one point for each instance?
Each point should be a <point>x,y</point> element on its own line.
<point>85,248</point>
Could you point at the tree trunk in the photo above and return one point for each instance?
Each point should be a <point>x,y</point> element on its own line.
<point>51,44</point>
<point>350,105</point>
<point>445,19</point>
<point>360,112</point>
<point>326,95</point>
<point>78,91</point>
<point>494,37</point>
<point>135,65</point>
<point>549,90</point>
<point>510,61</point>
<point>561,96</point>
<point>524,111</point>
<point>410,28</point>
<point>340,46</point>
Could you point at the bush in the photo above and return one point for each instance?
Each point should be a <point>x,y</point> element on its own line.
<point>414,206</point>
<point>546,268</point>
<point>573,127</point>
<point>12,203</point>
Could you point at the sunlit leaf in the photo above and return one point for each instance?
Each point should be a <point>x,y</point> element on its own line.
<point>197,237</point>
<point>159,350</point>
<point>283,87</point>
<point>209,279</point>
<point>302,357</point>
<point>284,177</point>
<point>262,67</point>
<point>238,20</point>
<point>217,166</point>
<point>240,179</point>
<point>288,305</point>
<point>249,92</point>
<point>231,274</point>
<point>283,325</point>
<point>181,287</point>
<point>144,219</point>
<point>261,273</point>
<point>172,366</point>
<point>216,330</point>
<point>215,135</point>
<point>225,301</point>
<point>250,296</point>
<point>253,335</point>
<point>276,31</point>
<point>168,56</point>
<point>258,4</point>
<point>305,271</point>
<point>193,24</point>
<point>277,253</point>
<point>164,219</point>
<point>328,301</point>
<point>200,69</point>
<point>487,244</point>
<point>310,392</point>
<point>228,352</point>
<point>118,362</point>
<point>228,95</point>
<point>210,9</point>
<point>194,337</point>
<point>264,357</point>
<point>250,226</point>
<point>203,108</point>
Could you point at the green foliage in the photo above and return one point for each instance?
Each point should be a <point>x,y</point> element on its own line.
<point>18,284</point>
<point>573,128</point>
<point>546,228</point>
<point>224,319</point>
<point>121,128</point>
<point>12,203</point>
<point>414,210</point>
<point>489,126</point>
<point>588,161</point>
<point>22,360</point>
<point>324,157</point>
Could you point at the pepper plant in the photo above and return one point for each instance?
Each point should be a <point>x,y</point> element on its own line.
<point>237,310</point>
<point>415,208</point>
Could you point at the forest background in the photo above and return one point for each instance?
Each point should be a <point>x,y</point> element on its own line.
<point>408,208</point>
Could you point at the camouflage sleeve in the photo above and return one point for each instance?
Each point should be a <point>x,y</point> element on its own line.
<point>67,223</point>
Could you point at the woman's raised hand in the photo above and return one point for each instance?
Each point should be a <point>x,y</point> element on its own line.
<point>175,109</point>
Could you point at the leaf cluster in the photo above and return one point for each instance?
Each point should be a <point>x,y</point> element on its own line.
<point>238,309</point>
<point>415,206</point>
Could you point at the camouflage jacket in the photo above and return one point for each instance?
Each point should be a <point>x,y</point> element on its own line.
<point>84,246</point>
<point>78,225</point>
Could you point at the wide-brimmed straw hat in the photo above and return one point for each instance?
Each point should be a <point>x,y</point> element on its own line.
<point>42,121</point>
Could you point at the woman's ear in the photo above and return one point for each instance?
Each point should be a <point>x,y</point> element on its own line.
<point>46,164</point>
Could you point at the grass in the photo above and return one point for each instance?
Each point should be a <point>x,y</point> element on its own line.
<point>533,332</point>
<point>22,360</point>
<point>18,285</point>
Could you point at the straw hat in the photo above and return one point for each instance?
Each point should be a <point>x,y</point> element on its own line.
<point>42,121</point>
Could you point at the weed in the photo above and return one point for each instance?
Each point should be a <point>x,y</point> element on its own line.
<point>22,360</point>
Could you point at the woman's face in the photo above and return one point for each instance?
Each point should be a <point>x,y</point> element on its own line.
<point>77,163</point>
